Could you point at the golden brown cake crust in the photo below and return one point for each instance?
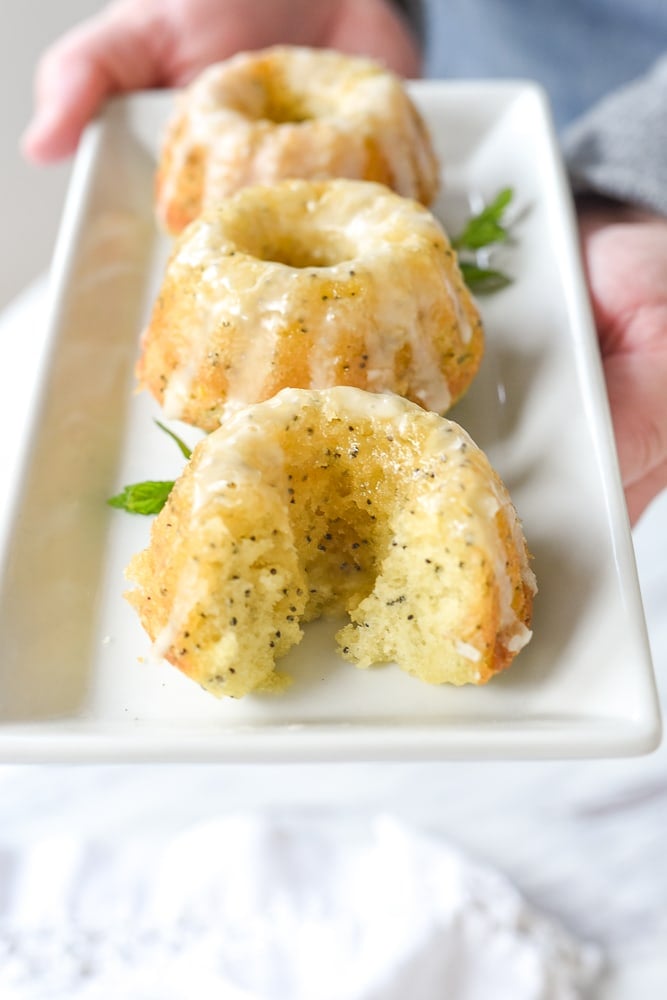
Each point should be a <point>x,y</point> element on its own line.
<point>309,285</point>
<point>337,499</point>
<point>289,112</point>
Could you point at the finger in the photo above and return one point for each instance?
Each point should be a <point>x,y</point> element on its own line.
<point>375,28</point>
<point>112,53</point>
<point>60,116</point>
<point>636,387</point>
<point>640,494</point>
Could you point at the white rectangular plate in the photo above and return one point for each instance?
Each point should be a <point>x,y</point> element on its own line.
<point>75,681</point>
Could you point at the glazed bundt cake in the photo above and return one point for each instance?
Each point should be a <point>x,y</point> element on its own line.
<point>336,500</point>
<point>288,112</point>
<point>310,284</point>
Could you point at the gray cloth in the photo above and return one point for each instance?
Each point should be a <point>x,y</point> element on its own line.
<point>619,148</point>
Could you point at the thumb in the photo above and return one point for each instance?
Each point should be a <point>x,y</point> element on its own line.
<point>111,53</point>
<point>636,385</point>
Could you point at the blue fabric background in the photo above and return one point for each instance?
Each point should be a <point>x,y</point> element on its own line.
<point>579,50</point>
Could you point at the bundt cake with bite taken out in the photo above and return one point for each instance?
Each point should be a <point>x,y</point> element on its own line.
<point>336,500</point>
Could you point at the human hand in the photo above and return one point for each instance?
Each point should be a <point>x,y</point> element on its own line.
<point>137,44</point>
<point>625,255</point>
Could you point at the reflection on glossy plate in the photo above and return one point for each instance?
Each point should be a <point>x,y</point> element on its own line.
<point>76,682</point>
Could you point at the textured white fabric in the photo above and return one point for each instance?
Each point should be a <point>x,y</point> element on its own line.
<point>252,907</point>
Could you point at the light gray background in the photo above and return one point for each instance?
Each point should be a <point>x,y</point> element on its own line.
<point>31,196</point>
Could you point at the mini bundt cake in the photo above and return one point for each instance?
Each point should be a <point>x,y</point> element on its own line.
<point>310,284</point>
<point>339,499</point>
<point>284,112</point>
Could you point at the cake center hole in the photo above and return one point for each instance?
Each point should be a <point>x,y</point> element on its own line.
<point>283,105</point>
<point>312,250</point>
<point>341,530</point>
<point>268,98</point>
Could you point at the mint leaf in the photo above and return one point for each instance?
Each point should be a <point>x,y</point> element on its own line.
<point>485,228</point>
<point>483,280</point>
<point>150,496</point>
<point>185,451</point>
<point>143,498</point>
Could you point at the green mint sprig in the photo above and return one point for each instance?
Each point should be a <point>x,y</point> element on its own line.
<point>483,280</point>
<point>185,451</point>
<point>150,496</point>
<point>484,230</point>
